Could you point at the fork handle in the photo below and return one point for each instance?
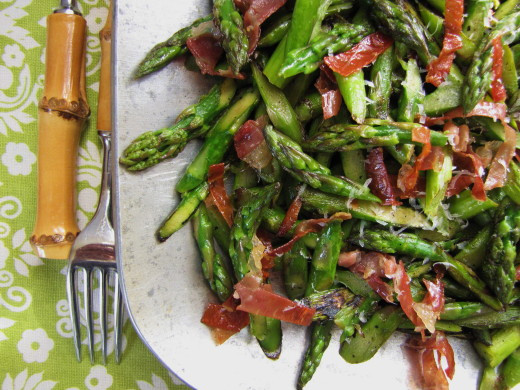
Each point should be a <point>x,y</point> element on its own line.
<point>104,116</point>
<point>62,112</point>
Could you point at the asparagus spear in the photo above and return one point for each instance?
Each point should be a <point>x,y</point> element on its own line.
<point>234,39</point>
<point>479,75</point>
<point>325,258</point>
<point>295,270</point>
<point>164,52</point>
<point>498,269</point>
<point>353,90</point>
<point>454,311</point>
<point>153,147</point>
<point>320,339</point>
<point>341,137</point>
<point>511,369</point>
<point>372,336</point>
<point>321,277</point>
<point>213,267</point>
<point>183,212</point>
<point>379,93</point>
<point>329,302</point>
<point>218,140</point>
<point>412,97</point>
<point>279,109</point>
<point>493,319</point>
<point>307,59</point>
<point>503,342</point>
<point>411,245</point>
<point>474,252</point>
<point>309,107</point>
<point>466,206</point>
<point>369,211</point>
<point>246,222</point>
<point>395,19</point>
<point>306,169</point>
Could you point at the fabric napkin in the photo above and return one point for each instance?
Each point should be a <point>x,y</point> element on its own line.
<point>36,349</point>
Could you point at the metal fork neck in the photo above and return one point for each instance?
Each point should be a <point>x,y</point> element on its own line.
<point>68,7</point>
<point>106,178</point>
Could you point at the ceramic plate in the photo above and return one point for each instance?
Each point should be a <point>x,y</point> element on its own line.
<point>163,283</point>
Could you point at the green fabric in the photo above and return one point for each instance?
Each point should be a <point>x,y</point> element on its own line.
<point>36,350</point>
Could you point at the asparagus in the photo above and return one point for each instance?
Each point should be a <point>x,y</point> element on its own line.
<point>321,277</point>
<point>153,147</point>
<point>479,75</point>
<point>246,222</point>
<point>306,169</point>
<point>295,270</point>
<point>411,245</point>
<point>493,319</point>
<point>325,258</point>
<point>352,89</point>
<point>511,369</point>
<point>279,109</point>
<point>341,137</point>
<point>218,140</point>
<point>474,252</point>
<point>498,269</point>
<point>512,186</point>
<point>412,97</point>
<point>368,211</point>
<point>329,302</point>
<point>275,32</point>
<point>379,93</point>
<point>220,228</point>
<point>320,339</point>
<point>183,212</point>
<point>213,267</point>
<point>395,19</point>
<point>454,311</point>
<point>164,52</point>
<point>309,107</point>
<point>365,343</point>
<point>307,59</point>
<point>503,342</point>
<point>466,206</point>
<point>478,15</point>
<point>234,39</point>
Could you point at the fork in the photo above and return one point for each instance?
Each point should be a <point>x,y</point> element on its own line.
<point>93,250</point>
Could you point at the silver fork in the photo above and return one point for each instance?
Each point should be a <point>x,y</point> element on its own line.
<point>93,250</point>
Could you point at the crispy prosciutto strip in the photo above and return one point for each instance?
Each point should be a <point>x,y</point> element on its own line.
<point>290,217</point>
<point>439,68</point>
<point>250,144</point>
<point>498,91</point>
<point>429,158</point>
<point>380,185</point>
<point>218,192</point>
<point>361,55</point>
<point>371,266</point>
<point>430,371</point>
<point>498,169</point>
<point>207,50</point>
<point>255,13</point>
<point>470,164</point>
<point>458,137</point>
<point>374,266</point>
<point>495,111</point>
<point>224,319</point>
<point>517,273</point>
<point>330,95</point>
<point>258,298</point>
<point>304,228</point>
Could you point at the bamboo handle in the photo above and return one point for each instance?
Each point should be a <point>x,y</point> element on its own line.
<point>62,112</point>
<point>104,115</point>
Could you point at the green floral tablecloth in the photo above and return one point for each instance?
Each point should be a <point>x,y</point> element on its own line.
<point>36,350</point>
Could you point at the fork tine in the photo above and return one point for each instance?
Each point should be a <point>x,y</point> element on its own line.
<point>73,309</point>
<point>117,317</point>
<point>103,281</point>
<point>87,291</point>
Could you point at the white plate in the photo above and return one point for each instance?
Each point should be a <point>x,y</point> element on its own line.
<point>163,284</point>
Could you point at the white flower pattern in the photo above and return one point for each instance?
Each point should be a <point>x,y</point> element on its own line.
<point>35,345</point>
<point>98,378</point>
<point>18,159</point>
<point>23,254</point>
<point>23,381</point>
<point>13,57</point>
